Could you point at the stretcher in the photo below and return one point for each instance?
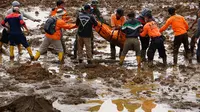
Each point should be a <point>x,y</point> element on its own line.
<point>115,36</point>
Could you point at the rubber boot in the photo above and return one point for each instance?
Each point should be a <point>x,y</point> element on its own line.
<point>89,62</point>
<point>175,59</point>
<point>1,47</point>
<point>37,55</point>
<point>60,57</point>
<point>138,58</point>
<point>150,63</point>
<point>121,60</point>
<point>30,53</point>
<point>11,52</point>
<point>198,59</point>
<point>165,61</point>
<point>19,49</point>
<point>143,55</point>
<point>188,55</point>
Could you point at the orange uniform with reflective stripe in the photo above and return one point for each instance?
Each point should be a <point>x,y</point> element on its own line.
<point>60,24</point>
<point>178,23</point>
<point>117,23</point>
<point>150,28</point>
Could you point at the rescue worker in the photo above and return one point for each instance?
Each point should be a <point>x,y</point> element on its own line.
<point>4,38</point>
<point>180,27</point>
<point>144,41</point>
<point>85,21</point>
<point>95,11</point>
<point>60,5</point>
<point>132,28</point>
<point>54,39</point>
<point>16,35</point>
<point>197,37</point>
<point>117,20</point>
<point>157,42</point>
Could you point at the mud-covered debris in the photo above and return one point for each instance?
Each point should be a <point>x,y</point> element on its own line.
<point>29,104</point>
<point>28,73</point>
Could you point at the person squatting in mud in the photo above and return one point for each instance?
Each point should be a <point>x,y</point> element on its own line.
<point>55,38</point>
<point>85,21</point>
<point>16,35</point>
<point>132,28</point>
<point>180,27</point>
<point>5,33</point>
<point>157,41</point>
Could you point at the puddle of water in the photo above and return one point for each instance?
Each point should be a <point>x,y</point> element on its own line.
<point>135,89</point>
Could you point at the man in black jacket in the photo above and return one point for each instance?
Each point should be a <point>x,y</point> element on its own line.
<point>85,21</point>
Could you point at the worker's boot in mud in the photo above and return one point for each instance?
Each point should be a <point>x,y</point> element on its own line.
<point>19,49</point>
<point>198,59</point>
<point>189,57</point>
<point>12,53</point>
<point>164,61</point>
<point>30,53</point>
<point>121,60</point>
<point>80,60</point>
<point>37,55</point>
<point>175,59</point>
<point>150,63</point>
<point>89,62</point>
<point>60,57</point>
<point>138,58</point>
<point>143,55</point>
<point>1,50</point>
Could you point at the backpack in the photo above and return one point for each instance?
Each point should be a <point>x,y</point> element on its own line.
<point>50,25</point>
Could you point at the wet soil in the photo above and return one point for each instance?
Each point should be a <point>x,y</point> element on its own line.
<point>30,73</point>
<point>29,104</point>
<point>75,94</point>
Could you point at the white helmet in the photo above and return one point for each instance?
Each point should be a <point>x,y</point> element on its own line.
<point>15,3</point>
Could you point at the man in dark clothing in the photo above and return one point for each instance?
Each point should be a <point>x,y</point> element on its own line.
<point>85,21</point>
<point>144,41</point>
<point>131,28</point>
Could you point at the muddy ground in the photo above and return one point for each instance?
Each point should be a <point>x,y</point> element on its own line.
<point>44,82</point>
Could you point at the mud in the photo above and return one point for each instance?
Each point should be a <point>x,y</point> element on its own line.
<point>75,94</point>
<point>30,73</point>
<point>29,104</point>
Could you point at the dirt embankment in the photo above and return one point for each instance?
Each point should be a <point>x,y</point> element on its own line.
<point>29,104</point>
<point>30,73</point>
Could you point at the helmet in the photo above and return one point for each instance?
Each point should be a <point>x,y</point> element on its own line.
<point>15,3</point>
<point>145,11</point>
<point>94,2</point>
<point>120,12</point>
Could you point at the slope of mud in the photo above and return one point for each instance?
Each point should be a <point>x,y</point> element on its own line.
<point>30,72</point>
<point>29,104</point>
